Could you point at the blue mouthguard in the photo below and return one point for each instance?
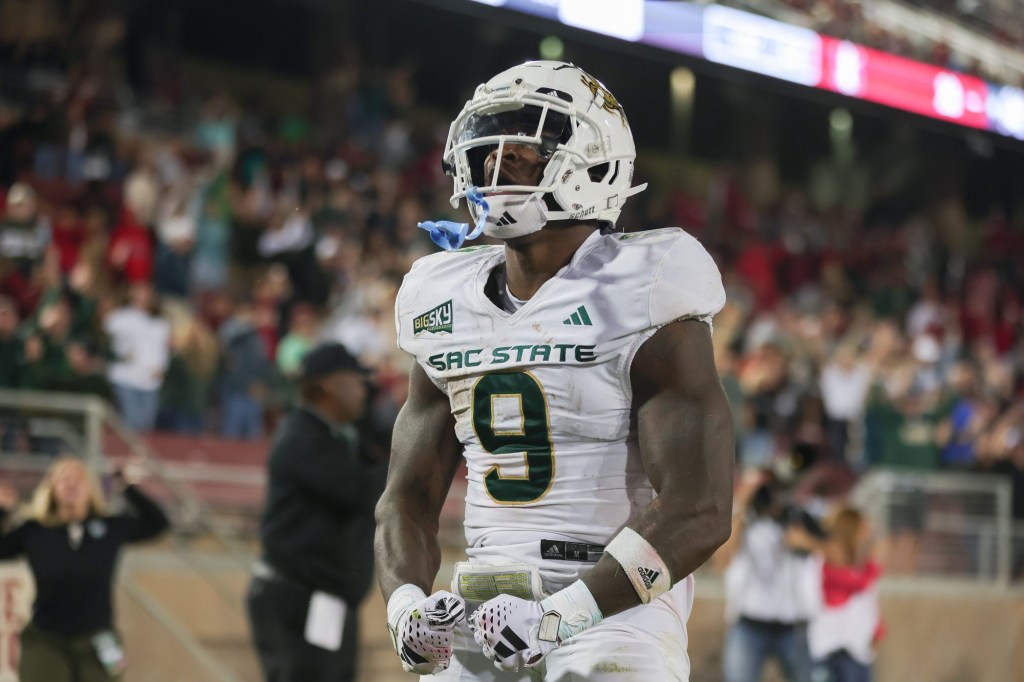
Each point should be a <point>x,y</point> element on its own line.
<point>451,236</point>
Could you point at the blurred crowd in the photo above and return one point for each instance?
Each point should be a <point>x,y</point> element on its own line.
<point>179,271</point>
<point>183,270</point>
<point>997,19</point>
<point>898,348</point>
<point>866,334</point>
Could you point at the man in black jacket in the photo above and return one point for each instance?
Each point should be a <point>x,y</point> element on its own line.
<point>317,526</point>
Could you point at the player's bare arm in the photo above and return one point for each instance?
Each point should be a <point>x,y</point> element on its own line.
<point>686,441</point>
<point>424,456</point>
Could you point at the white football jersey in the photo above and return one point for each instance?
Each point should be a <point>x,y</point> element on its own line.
<point>542,396</point>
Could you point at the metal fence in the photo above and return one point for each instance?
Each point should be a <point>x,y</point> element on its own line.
<point>955,525</point>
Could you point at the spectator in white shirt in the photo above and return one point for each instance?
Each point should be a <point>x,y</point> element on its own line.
<point>176,233</point>
<point>929,313</point>
<point>140,340</point>
<point>25,234</point>
<point>142,190</point>
<point>289,232</point>
<point>844,387</point>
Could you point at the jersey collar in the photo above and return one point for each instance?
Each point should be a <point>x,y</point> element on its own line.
<point>487,266</point>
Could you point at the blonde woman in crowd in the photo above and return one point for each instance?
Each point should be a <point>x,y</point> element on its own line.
<point>72,544</point>
<point>191,371</point>
<point>843,634</point>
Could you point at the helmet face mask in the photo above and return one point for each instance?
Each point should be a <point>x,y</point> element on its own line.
<point>568,118</point>
<point>529,125</point>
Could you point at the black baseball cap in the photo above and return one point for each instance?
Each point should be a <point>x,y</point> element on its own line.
<point>326,359</point>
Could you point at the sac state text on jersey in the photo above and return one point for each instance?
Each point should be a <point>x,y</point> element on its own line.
<point>503,355</point>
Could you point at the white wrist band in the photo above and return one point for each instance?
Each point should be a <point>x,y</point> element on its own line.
<point>577,610</point>
<point>644,568</point>
<point>405,596</point>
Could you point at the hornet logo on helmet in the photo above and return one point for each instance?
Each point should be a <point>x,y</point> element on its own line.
<point>609,103</point>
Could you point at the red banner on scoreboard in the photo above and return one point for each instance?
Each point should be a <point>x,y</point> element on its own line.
<point>880,77</point>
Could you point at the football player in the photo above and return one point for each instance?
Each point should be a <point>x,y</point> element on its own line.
<point>572,368</point>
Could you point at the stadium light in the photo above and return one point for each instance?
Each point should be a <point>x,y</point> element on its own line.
<point>551,47</point>
<point>616,18</point>
<point>840,121</point>
<point>682,84</point>
<point>840,133</point>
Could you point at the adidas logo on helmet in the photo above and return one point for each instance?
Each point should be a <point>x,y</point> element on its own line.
<point>506,219</point>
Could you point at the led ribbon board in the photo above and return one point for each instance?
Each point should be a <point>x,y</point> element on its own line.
<point>760,45</point>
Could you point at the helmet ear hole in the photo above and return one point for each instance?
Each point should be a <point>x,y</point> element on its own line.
<point>604,172</point>
<point>599,172</point>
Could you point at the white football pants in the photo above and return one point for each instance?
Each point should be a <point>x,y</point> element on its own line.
<point>644,644</point>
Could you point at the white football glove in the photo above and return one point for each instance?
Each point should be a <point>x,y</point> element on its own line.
<point>421,628</point>
<point>508,629</point>
<point>516,633</point>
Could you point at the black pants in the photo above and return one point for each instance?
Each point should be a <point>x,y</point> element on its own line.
<point>277,616</point>
<point>47,657</point>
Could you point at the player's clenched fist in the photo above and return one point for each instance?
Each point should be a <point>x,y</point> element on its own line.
<point>421,628</point>
<point>514,632</point>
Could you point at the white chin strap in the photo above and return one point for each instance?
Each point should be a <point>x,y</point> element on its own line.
<point>515,215</point>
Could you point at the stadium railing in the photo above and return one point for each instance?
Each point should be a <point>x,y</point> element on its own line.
<point>960,524</point>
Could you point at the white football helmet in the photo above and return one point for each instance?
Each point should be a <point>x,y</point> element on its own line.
<point>571,119</point>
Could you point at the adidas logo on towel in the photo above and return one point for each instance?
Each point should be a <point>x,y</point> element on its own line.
<point>579,318</point>
<point>648,575</point>
<point>506,219</point>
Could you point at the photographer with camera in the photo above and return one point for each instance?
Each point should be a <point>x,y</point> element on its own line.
<point>772,581</point>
